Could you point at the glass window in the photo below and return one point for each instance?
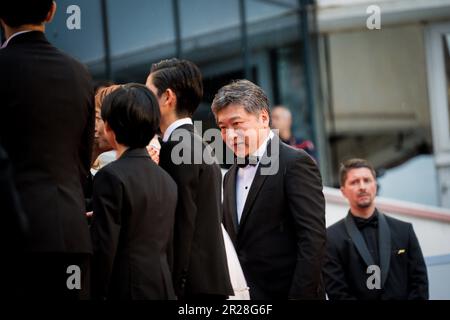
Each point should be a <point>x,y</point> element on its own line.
<point>261,9</point>
<point>139,24</point>
<point>292,92</point>
<point>85,44</point>
<point>206,16</point>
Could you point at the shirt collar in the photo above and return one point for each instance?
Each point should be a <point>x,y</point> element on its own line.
<point>260,152</point>
<point>174,126</point>
<point>14,35</point>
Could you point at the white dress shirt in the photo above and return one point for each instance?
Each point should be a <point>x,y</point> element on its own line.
<point>14,35</point>
<point>245,176</point>
<point>174,125</point>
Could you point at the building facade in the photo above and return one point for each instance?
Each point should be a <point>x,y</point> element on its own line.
<point>381,94</point>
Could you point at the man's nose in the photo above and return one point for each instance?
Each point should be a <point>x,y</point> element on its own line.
<point>231,134</point>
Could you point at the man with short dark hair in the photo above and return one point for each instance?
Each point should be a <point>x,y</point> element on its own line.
<point>371,256</point>
<point>47,127</point>
<point>200,266</point>
<point>274,208</point>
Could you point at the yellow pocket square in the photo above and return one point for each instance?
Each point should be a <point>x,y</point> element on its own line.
<point>401,251</point>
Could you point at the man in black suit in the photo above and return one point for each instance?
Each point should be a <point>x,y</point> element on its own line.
<point>200,266</point>
<point>134,204</point>
<point>46,127</point>
<point>274,208</point>
<point>371,256</point>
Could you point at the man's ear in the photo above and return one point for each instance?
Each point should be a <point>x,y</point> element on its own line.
<point>109,134</point>
<point>265,118</point>
<point>51,13</point>
<point>170,98</point>
<point>343,192</point>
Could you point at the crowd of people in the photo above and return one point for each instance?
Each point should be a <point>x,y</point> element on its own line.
<point>95,179</point>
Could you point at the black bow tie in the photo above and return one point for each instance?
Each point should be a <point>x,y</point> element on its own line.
<point>363,223</point>
<point>247,161</point>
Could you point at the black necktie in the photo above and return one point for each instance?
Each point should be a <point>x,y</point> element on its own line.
<point>247,161</point>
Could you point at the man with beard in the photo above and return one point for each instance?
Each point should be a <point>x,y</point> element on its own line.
<point>371,256</point>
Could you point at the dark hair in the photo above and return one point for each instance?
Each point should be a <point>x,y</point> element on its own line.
<point>132,112</point>
<point>242,92</point>
<point>184,78</point>
<point>355,163</point>
<point>20,12</point>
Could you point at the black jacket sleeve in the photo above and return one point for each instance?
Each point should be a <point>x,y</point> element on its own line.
<point>333,272</point>
<point>105,229</point>
<point>306,202</point>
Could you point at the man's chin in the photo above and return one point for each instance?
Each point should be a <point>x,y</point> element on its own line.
<point>364,205</point>
<point>240,152</point>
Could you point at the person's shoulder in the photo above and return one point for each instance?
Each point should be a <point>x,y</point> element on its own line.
<point>167,178</point>
<point>397,224</point>
<point>293,154</point>
<point>297,159</point>
<point>75,63</point>
<point>110,172</point>
<point>336,228</point>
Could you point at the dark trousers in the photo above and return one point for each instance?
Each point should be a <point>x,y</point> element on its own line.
<point>56,276</point>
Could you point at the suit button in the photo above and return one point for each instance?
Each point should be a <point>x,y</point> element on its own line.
<point>182,283</point>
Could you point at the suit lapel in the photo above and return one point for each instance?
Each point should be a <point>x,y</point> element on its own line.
<point>384,244</point>
<point>358,240</point>
<point>231,197</point>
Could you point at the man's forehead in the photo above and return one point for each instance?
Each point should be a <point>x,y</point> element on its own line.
<point>359,172</point>
<point>233,111</point>
<point>230,118</point>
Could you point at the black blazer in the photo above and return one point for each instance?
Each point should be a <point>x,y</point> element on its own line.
<point>281,238</point>
<point>47,127</point>
<point>200,263</point>
<point>134,206</point>
<point>403,270</point>
<point>13,235</point>
<point>14,232</point>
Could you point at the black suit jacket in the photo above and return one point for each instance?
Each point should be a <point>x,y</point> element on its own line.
<point>280,240</point>
<point>403,270</point>
<point>46,127</point>
<point>14,233</point>
<point>134,205</point>
<point>13,236</point>
<point>200,264</point>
